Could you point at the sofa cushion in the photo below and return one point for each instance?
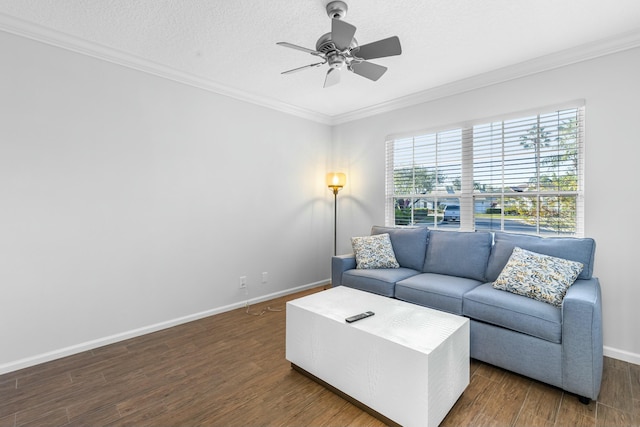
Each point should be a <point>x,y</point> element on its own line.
<point>374,252</point>
<point>541,277</point>
<point>572,248</point>
<point>461,254</point>
<point>515,312</point>
<point>409,244</point>
<point>378,281</point>
<point>435,291</point>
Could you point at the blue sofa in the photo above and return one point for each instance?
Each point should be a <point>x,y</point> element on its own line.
<point>454,271</point>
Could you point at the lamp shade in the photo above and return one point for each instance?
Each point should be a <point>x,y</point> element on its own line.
<point>336,180</point>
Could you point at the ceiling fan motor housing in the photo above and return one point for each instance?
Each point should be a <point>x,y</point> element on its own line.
<point>326,45</point>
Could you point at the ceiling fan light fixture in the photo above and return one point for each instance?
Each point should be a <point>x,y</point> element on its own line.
<point>336,60</point>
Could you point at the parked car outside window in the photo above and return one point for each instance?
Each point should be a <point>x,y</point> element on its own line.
<point>451,213</point>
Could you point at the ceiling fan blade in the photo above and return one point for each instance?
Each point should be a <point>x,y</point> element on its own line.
<point>317,64</point>
<point>342,33</point>
<point>379,49</point>
<point>304,49</point>
<point>368,69</point>
<point>333,77</point>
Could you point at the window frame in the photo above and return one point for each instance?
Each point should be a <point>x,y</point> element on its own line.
<point>468,196</point>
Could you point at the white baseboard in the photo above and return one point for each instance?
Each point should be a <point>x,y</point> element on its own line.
<point>615,353</point>
<point>89,345</point>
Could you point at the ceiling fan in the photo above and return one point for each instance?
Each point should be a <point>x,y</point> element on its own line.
<point>340,49</point>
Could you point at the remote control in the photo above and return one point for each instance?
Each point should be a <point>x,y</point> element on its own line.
<point>359,316</point>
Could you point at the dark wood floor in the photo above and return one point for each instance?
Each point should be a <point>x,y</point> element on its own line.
<point>230,370</point>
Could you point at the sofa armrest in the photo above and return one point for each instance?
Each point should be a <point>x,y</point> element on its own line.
<point>340,264</point>
<point>582,346</point>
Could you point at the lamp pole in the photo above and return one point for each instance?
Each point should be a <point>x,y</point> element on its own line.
<point>335,220</point>
<point>335,181</point>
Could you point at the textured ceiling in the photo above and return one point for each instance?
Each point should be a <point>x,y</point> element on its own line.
<point>231,45</point>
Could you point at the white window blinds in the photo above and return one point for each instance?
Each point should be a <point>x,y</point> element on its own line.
<point>522,174</point>
<point>423,175</point>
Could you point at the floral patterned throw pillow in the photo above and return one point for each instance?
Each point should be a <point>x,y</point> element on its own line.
<point>374,252</point>
<point>541,277</point>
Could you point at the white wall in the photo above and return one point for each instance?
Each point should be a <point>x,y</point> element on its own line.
<point>128,201</point>
<point>611,88</point>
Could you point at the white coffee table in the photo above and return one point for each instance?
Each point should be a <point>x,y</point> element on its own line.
<point>407,364</point>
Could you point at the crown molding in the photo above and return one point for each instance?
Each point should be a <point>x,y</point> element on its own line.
<point>42,34</point>
<point>552,61</point>
<point>555,60</point>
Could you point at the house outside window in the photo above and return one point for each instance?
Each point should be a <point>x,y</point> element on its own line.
<point>522,173</point>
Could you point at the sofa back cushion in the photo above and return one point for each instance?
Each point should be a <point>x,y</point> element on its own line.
<point>571,248</point>
<point>409,244</point>
<point>461,254</point>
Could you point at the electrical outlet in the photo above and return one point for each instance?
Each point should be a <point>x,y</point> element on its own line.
<point>243,282</point>
<point>265,277</point>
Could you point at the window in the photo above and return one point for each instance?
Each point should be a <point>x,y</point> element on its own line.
<point>522,174</point>
<point>423,177</point>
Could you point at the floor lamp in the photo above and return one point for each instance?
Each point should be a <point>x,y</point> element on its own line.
<point>335,181</point>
